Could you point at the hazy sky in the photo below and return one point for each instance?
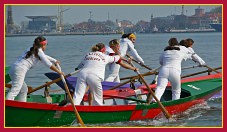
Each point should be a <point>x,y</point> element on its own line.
<point>79,13</point>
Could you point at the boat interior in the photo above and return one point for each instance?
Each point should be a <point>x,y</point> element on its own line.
<point>130,100</point>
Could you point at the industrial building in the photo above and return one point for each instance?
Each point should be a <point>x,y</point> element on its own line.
<point>42,23</point>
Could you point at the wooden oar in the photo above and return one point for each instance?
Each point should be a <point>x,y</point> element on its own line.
<point>71,99</point>
<point>145,74</point>
<point>211,69</point>
<point>138,62</point>
<point>156,76</point>
<point>184,68</point>
<point>10,86</point>
<point>155,79</point>
<point>197,73</point>
<point>131,79</point>
<point>166,113</point>
<point>53,81</point>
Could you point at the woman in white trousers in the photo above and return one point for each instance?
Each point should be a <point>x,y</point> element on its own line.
<point>24,63</point>
<point>170,70</point>
<point>92,73</point>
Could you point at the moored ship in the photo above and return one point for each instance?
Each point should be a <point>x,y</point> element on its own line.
<point>216,26</point>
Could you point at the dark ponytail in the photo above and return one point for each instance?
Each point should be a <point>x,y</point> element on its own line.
<point>35,48</point>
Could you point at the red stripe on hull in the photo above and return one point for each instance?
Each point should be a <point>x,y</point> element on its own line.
<point>41,106</point>
<point>154,112</point>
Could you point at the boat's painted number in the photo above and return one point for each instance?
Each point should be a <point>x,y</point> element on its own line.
<point>194,87</point>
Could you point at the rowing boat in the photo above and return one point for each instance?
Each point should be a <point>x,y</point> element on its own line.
<point>7,77</point>
<point>119,105</point>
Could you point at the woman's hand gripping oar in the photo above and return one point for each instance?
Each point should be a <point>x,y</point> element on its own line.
<point>167,115</point>
<point>71,100</point>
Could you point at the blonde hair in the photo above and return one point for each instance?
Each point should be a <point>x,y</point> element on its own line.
<point>97,47</point>
<point>132,36</point>
<point>114,42</point>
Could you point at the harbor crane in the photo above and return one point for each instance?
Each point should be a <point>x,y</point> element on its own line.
<point>60,24</point>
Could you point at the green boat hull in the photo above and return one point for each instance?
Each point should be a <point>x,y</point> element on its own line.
<point>7,77</point>
<point>41,114</point>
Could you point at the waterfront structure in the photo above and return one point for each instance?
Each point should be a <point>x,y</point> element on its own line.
<point>199,22</point>
<point>10,28</point>
<point>162,23</point>
<point>39,24</point>
<point>60,24</point>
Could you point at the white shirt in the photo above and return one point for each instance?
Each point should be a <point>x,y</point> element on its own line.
<point>28,63</point>
<point>95,63</point>
<point>173,58</point>
<point>196,58</point>
<point>109,51</point>
<point>127,45</point>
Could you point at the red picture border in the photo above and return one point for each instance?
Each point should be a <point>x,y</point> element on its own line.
<point>164,2</point>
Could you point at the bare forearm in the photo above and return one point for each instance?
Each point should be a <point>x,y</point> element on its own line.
<point>54,68</point>
<point>127,66</point>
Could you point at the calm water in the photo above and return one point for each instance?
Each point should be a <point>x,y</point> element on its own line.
<point>71,49</point>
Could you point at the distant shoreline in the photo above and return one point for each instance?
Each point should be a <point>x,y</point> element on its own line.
<point>95,33</point>
<point>62,34</point>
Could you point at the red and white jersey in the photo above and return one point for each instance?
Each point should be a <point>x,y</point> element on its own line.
<point>95,63</point>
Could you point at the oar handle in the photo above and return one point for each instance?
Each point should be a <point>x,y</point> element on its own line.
<point>144,74</point>
<point>138,62</point>
<point>117,86</point>
<point>71,99</point>
<point>132,78</point>
<point>10,86</point>
<point>74,72</point>
<point>144,65</point>
<point>183,68</point>
<point>197,73</point>
<point>137,71</point>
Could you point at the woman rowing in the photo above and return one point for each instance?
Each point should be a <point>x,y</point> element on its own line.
<point>24,63</point>
<point>170,70</point>
<point>92,73</point>
<point>126,45</point>
<point>113,49</point>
